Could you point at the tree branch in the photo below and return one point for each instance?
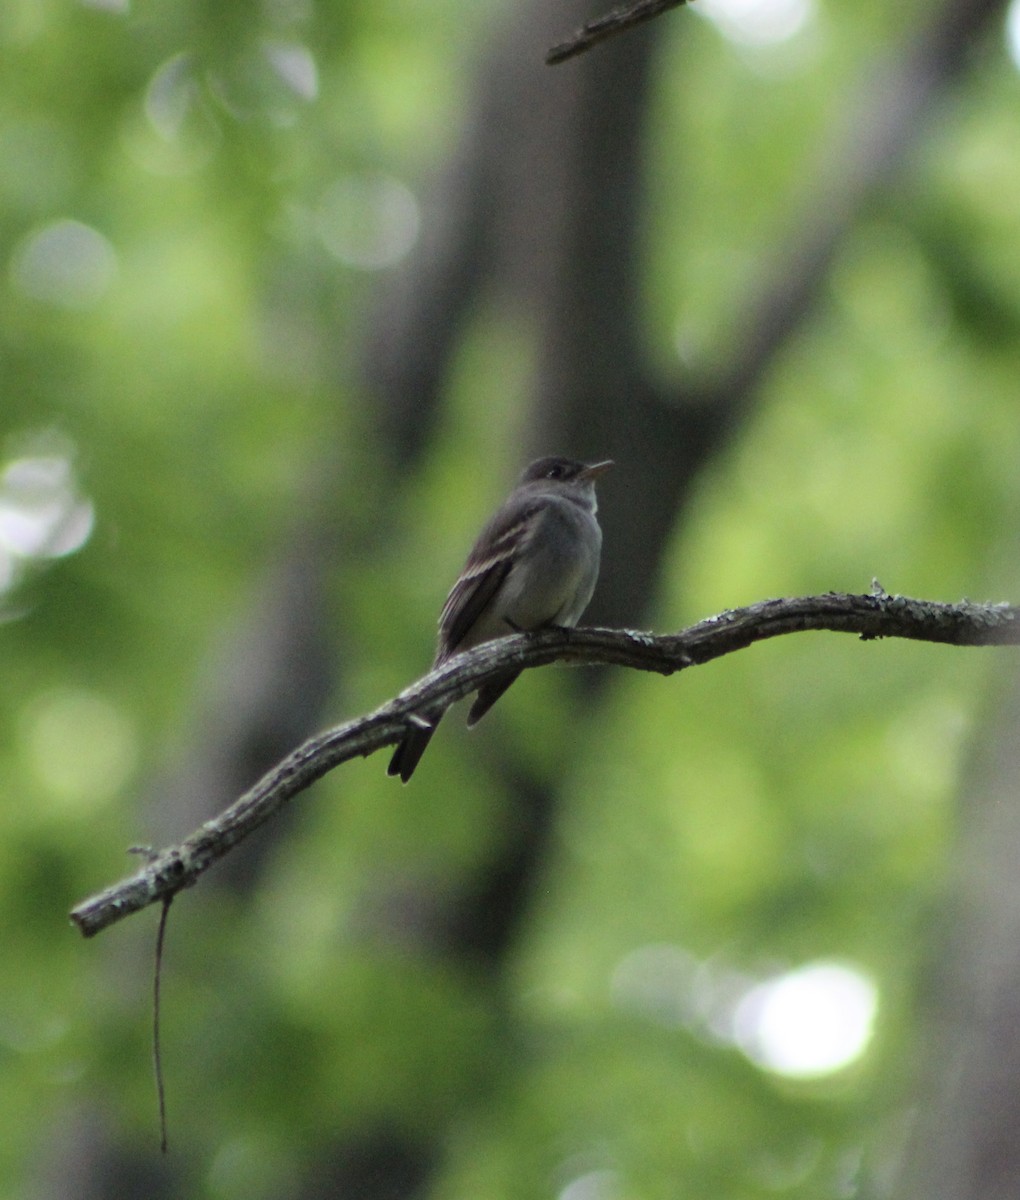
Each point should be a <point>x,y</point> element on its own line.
<point>619,20</point>
<point>873,616</point>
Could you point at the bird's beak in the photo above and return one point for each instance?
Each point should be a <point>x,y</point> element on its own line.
<point>595,470</point>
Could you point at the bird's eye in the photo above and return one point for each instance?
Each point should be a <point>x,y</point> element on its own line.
<point>555,472</point>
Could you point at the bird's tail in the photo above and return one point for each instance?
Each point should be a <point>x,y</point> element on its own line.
<point>487,696</point>
<point>415,742</point>
<point>411,747</point>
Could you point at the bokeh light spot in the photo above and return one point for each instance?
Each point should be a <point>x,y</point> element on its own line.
<point>295,65</point>
<point>656,982</point>
<point>1013,32</point>
<point>42,514</point>
<point>65,263</point>
<point>757,22</point>
<point>171,93</point>
<point>174,131</point>
<point>80,746</point>
<point>594,1185</point>
<point>368,221</point>
<point>809,1022</point>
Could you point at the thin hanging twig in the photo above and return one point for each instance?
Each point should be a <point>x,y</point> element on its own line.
<point>157,1052</point>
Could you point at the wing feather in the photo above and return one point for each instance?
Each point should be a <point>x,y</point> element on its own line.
<point>483,574</point>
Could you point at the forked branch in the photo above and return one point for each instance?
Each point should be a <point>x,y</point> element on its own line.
<point>870,616</point>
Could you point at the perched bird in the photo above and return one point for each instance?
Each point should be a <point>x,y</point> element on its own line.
<point>534,565</point>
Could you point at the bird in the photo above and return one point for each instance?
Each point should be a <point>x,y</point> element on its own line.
<point>533,566</point>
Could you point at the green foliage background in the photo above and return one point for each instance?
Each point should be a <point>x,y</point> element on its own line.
<point>791,803</point>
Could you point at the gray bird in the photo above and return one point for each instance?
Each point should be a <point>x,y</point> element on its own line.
<point>534,565</point>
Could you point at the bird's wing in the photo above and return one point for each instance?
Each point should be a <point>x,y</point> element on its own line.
<point>486,568</point>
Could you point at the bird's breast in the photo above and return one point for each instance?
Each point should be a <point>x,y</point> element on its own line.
<point>555,577</point>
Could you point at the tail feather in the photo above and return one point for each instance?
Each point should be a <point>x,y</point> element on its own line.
<point>410,748</point>
<point>488,695</point>
<point>415,741</point>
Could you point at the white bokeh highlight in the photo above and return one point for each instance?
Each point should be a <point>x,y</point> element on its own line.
<point>43,512</point>
<point>809,1022</point>
<point>1013,32</point>
<point>65,263</point>
<point>757,22</point>
<point>805,1022</point>
<point>369,221</point>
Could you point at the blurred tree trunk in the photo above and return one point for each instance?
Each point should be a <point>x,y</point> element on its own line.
<point>966,1143</point>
